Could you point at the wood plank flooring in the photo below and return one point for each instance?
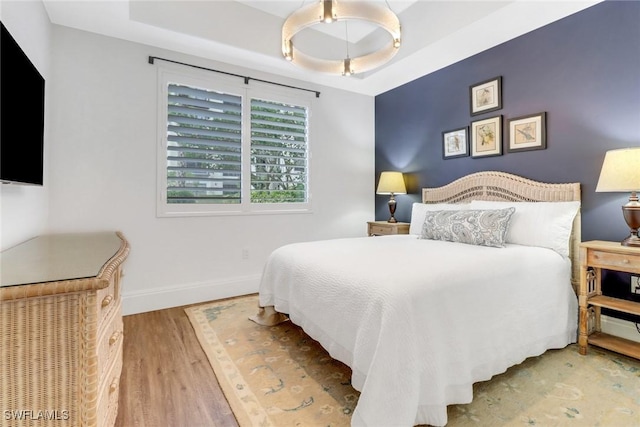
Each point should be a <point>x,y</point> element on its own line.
<point>166,379</point>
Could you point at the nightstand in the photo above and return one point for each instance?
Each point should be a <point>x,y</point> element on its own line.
<point>595,256</point>
<point>383,228</point>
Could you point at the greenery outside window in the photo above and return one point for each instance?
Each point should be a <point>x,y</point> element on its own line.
<point>229,148</point>
<point>278,152</point>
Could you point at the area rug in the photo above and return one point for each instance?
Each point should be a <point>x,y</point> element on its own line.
<point>278,376</point>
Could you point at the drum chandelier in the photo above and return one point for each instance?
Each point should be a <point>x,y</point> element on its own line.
<point>328,11</point>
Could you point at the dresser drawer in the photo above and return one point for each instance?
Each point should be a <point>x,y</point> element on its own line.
<point>109,343</point>
<point>107,408</point>
<point>622,262</point>
<point>108,298</point>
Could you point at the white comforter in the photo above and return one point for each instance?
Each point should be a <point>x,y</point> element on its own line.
<point>420,321</point>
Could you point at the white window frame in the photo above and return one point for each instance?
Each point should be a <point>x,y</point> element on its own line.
<point>230,85</point>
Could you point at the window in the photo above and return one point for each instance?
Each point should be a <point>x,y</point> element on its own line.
<point>278,152</point>
<point>230,149</point>
<point>204,146</point>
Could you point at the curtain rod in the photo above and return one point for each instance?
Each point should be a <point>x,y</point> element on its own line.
<point>246,78</point>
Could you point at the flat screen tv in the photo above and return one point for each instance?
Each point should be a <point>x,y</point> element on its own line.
<point>21,115</point>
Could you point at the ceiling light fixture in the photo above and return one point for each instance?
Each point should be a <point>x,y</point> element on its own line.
<point>347,71</point>
<point>327,11</point>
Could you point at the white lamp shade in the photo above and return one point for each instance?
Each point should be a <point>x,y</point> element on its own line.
<point>620,171</point>
<point>391,182</point>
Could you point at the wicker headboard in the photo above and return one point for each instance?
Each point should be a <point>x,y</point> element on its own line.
<point>503,186</point>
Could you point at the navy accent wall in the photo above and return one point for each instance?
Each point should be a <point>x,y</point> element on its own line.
<point>583,70</point>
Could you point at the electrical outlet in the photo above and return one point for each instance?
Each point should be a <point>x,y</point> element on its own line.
<point>635,285</point>
<point>245,254</point>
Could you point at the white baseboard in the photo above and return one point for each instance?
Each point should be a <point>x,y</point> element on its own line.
<point>620,328</point>
<point>191,293</point>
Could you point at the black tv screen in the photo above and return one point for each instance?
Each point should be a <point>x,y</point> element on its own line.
<point>21,115</point>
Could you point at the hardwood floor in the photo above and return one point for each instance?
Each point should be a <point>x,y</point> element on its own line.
<point>166,379</point>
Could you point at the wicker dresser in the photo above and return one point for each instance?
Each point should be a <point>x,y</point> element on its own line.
<point>61,330</point>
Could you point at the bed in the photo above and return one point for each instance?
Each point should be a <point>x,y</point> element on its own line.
<point>421,317</point>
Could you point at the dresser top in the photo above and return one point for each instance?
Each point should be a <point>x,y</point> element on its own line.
<point>57,257</point>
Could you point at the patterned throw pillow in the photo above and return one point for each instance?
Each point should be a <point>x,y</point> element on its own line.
<point>474,227</point>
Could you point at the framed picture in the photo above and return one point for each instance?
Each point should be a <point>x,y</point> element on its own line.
<point>486,96</point>
<point>486,137</point>
<point>455,143</point>
<point>528,133</point>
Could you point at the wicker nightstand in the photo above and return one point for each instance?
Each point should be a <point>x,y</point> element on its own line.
<point>383,228</point>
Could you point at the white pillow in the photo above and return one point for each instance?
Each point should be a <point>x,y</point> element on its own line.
<point>419,212</point>
<point>544,224</point>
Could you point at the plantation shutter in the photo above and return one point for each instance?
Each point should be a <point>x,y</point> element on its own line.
<point>204,141</point>
<point>278,152</point>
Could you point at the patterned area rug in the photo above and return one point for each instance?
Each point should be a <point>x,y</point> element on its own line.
<point>278,376</point>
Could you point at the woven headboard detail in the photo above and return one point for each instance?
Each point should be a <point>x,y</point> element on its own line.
<point>497,186</point>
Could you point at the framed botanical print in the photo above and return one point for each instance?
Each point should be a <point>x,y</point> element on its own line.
<point>486,96</point>
<point>528,133</point>
<point>455,143</point>
<point>486,137</point>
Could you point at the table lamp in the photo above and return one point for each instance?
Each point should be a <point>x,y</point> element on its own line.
<point>621,173</point>
<point>391,183</point>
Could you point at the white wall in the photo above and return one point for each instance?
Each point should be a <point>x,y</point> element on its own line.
<point>103,175</point>
<point>24,209</point>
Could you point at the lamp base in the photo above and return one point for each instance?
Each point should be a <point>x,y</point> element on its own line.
<point>631,212</point>
<point>392,209</point>
<point>632,240</point>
